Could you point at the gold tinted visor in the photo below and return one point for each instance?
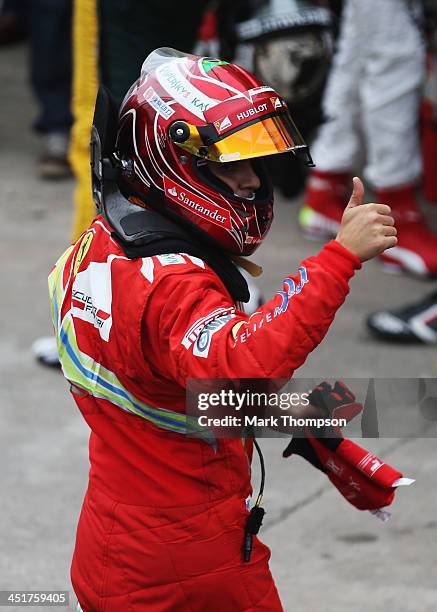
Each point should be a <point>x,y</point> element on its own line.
<point>265,137</point>
<point>268,136</point>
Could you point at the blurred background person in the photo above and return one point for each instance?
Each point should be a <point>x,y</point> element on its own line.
<point>288,44</point>
<point>417,321</point>
<point>292,47</point>
<point>47,24</point>
<point>51,75</point>
<point>429,105</point>
<point>372,108</point>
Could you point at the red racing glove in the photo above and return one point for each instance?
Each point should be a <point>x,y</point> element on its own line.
<point>361,477</point>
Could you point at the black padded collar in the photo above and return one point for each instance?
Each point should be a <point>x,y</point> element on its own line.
<point>161,235</point>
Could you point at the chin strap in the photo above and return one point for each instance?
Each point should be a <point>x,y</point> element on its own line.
<point>250,266</point>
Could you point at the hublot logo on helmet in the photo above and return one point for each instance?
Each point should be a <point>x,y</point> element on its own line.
<point>250,112</point>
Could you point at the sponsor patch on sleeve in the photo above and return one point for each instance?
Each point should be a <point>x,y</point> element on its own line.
<point>200,333</point>
<point>203,342</point>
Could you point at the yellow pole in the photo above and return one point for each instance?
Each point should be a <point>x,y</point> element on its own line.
<point>85,83</point>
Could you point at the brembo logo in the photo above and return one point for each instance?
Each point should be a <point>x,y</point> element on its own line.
<point>196,204</point>
<point>195,331</point>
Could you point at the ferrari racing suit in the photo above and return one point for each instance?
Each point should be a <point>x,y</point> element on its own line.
<point>162,523</point>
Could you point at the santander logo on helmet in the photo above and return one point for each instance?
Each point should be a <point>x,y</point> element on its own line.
<point>185,113</point>
<point>217,215</point>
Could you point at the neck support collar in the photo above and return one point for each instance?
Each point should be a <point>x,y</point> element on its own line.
<point>160,235</point>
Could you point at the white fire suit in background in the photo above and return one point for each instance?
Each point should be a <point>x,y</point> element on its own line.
<point>373,94</point>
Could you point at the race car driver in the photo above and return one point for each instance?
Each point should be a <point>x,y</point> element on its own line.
<point>150,296</point>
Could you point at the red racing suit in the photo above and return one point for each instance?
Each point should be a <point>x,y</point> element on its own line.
<point>162,523</point>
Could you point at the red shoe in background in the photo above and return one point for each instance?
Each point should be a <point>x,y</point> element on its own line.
<point>416,251</point>
<point>326,196</point>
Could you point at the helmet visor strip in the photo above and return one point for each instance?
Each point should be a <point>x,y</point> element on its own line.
<point>267,136</point>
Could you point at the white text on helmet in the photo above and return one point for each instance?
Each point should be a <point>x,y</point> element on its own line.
<point>252,111</point>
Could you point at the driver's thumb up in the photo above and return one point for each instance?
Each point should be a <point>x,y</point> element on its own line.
<point>357,194</point>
